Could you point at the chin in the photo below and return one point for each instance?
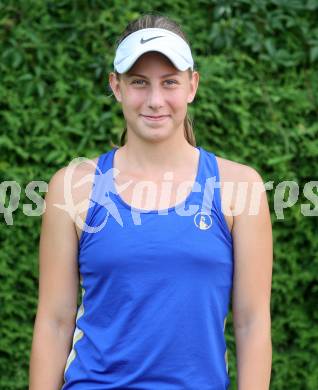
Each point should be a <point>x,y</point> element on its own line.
<point>155,133</point>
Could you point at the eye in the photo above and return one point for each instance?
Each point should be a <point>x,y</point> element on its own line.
<point>173,82</point>
<point>138,82</point>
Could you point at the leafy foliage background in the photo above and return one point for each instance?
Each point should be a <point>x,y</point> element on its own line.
<point>257,104</point>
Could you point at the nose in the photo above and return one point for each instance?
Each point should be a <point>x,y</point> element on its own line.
<point>155,98</point>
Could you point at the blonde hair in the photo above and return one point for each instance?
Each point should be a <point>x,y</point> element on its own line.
<point>157,21</point>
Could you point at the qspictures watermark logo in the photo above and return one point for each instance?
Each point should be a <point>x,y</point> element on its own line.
<point>242,196</point>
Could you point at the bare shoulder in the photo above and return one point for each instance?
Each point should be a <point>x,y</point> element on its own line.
<point>236,180</point>
<point>80,179</point>
<point>72,185</point>
<point>232,171</point>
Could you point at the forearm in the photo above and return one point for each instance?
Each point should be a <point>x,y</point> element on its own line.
<point>50,348</point>
<point>254,356</point>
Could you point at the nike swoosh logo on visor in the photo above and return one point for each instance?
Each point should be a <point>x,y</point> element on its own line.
<point>149,39</point>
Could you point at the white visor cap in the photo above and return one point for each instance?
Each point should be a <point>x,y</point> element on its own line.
<point>153,39</point>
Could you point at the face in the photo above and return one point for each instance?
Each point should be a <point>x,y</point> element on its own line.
<point>153,87</point>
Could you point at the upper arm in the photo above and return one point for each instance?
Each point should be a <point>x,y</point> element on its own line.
<point>252,244</point>
<point>58,270</point>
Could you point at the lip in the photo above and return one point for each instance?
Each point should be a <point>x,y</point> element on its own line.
<point>155,118</point>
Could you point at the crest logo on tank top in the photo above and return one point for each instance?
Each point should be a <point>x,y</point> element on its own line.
<point>202,220</point>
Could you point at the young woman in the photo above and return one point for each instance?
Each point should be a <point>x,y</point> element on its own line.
<point>159,254</point>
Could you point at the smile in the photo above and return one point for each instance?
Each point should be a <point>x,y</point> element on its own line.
<point>155,118</point>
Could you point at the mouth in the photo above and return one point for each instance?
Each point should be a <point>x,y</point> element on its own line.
<point>155,118</point>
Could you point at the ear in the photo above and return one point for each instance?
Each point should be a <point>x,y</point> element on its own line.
<point>114,85</point>
<point>194,83</point>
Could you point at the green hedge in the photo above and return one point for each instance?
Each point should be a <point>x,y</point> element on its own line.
<point>257,104</point>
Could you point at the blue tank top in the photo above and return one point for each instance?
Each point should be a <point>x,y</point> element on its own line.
<point>156,286</point>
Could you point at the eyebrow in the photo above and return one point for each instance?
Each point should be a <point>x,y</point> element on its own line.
<point>163,76</point>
